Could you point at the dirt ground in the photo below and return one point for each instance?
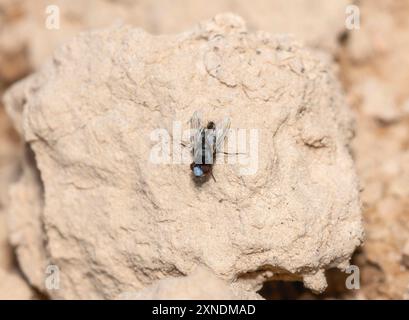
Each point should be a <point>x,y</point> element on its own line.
<point>373,66</point>
<point>375,70</point>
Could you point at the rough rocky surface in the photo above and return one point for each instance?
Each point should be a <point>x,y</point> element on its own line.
<point>20,52</point>
<point>374,72</point>
<point>115,222</point>
<point>12,285</point>
<point>9,152</point>
<point>200,285</point>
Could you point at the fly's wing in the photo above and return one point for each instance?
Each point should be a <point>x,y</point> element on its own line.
<point>222,129</point>
<point>210,145</point>
<point>197,151</point>
<point>195,128</point>
<point>211,138</point>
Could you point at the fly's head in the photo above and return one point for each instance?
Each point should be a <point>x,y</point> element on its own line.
<point>201,171</point>
<point>198,171</point>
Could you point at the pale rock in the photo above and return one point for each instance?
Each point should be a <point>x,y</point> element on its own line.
<point>200,285</point>
<point>316,281</point>
<point>24,220</point>
<point>113,221</point>
<point>9,153</point>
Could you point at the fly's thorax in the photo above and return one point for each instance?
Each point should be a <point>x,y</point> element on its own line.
<point>211,125</point>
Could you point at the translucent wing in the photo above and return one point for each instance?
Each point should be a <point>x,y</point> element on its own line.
<point>211,138</point>
<point>210,145</point>
<point>203,154</point>
<point>222,129</point>
<point>195,128</point>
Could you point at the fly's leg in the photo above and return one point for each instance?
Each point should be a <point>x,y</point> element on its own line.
<point>231,153</point>
<point>211,173</point>
<point>185,144</point>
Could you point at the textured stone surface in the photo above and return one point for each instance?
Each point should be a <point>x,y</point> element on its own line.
<point>9,153</point>
<point>20,52</point>
<point>24,221</point>
<point>113,221</point>
<point>200,285</point>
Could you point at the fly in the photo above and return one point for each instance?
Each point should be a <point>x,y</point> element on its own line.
<point>206,142</point>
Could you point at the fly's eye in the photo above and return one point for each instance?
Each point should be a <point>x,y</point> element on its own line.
<point>197,171</point>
